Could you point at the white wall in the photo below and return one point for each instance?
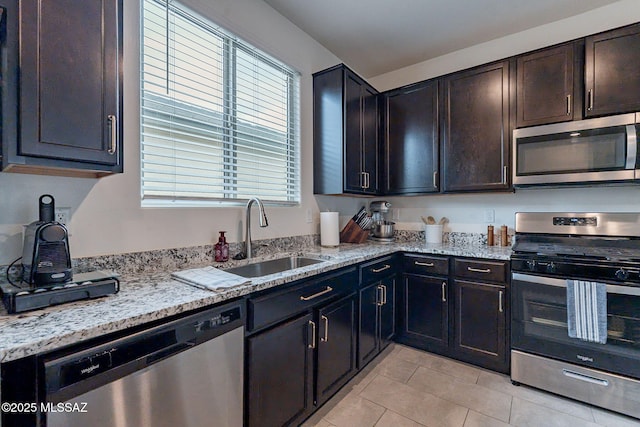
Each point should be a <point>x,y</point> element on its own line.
<point>106,213</point>
<point>466,211</point>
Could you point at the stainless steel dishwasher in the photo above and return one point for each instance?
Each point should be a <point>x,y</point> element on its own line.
<point>188,373</point>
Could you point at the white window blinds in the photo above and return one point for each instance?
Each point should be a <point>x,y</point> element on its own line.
<point>219,118</point>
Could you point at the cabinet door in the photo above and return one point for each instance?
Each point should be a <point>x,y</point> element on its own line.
<point>368,344</point>
<point>387,311</point>
<point>425,315</point>
<point>336,347</point>
<point>480,319</point>
<point>69,91</point>
<point>353,121</point>
<point>280,374</point>
<point>612,75</point>
<point>411,140</point>
<point>370,139</point>
<point>545,86</point>
<point>475,128</point>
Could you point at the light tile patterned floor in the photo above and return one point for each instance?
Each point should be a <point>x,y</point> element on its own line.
<point>405,387</point>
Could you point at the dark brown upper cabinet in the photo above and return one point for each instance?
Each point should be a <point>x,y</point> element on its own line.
<point>411,141</point>
<point>345,133</point>
<point>476,129</point>
<point>549,85</point>
<point>612,74</point>
<point>64,115</point>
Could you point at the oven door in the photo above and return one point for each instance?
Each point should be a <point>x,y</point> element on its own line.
<point>539,325</point>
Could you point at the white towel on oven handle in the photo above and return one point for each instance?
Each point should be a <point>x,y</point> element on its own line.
<point>587,310</point>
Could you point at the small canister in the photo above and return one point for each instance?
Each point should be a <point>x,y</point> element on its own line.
<point>490,235</point>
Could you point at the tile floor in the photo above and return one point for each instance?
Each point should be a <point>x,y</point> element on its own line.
<point>405,387</point>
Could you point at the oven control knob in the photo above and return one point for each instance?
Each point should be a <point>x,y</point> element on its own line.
<point>622,274</point>
<point>551,268</point>
<point>531,264</point>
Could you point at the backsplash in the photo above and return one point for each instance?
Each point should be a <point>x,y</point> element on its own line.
<point>196,256</point>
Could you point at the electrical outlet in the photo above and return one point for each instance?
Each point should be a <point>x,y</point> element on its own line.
<point>395,214</point>
<point>309,216</point>
<point>489,216</point>
<point>63,215</point>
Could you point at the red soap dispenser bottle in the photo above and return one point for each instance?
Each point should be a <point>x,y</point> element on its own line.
<point>222,248</point>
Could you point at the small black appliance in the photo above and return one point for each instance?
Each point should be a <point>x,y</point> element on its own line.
<point>46,259</point>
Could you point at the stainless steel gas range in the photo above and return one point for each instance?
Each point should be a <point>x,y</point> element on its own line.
<point>585,266</point>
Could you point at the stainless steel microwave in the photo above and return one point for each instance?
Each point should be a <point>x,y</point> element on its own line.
<point>586,151</point>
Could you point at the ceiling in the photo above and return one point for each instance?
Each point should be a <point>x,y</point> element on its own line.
<point>378,36</point>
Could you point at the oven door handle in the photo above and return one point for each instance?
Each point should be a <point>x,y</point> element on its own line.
<point>562,283</point>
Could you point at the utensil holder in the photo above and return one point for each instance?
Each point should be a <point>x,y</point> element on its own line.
<point>433,233</point>
<point>353,233</point>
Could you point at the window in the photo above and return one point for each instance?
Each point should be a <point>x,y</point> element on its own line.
<point>219,118</point>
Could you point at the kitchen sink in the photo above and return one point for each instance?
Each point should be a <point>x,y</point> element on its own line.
<point>263,268</point>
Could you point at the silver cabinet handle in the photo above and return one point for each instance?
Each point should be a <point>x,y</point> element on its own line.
<point>568,105</point>
<point>316,295</point>
<point>368,181</point>
<point>363,180</point>
<point>113,144</point>
<point>379,296</point>
<point>313,334</point>
<point>444,291</point>
<point>326,329</point>
<point>505,170</point>
<point>590,96</point>
<point>386,267</point>
<point>384,294</point>
<point>479,270</point>
<point>435,179</point>
<point>423,264</point>
<point>500,307</point>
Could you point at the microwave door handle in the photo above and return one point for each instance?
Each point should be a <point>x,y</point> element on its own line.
<point>632,147</point>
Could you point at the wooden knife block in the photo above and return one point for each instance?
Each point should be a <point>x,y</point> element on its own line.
<point>353,233</point>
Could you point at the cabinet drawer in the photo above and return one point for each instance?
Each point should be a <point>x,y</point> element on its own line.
<point>493,271</point>
<point>426,265</point>
<point>377,270</point>
<point>278,305</point>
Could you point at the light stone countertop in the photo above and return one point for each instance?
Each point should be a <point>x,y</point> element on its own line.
<point>150,297</point>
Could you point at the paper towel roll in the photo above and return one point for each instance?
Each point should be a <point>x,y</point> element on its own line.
<point>329,229</point>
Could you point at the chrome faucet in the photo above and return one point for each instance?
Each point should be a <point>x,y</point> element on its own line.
<point>263,223</point>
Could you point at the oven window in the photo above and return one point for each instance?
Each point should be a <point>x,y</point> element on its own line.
<point>542,313</point>
<point>585,151</point>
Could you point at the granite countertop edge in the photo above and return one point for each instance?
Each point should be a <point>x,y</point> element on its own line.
<point>151,297</point>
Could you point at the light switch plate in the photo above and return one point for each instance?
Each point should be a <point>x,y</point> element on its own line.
<point>489,216</point>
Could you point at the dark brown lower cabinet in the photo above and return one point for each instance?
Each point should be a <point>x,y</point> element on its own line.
<point>298,365</point>
<point>336,347</point>
<point>376,323</point>
<point>460,313</point>
<point>480,323</point>
<point>426,312</point>
<point>280,374</point>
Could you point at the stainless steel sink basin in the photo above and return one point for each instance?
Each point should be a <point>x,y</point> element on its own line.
<point>263,268</point>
